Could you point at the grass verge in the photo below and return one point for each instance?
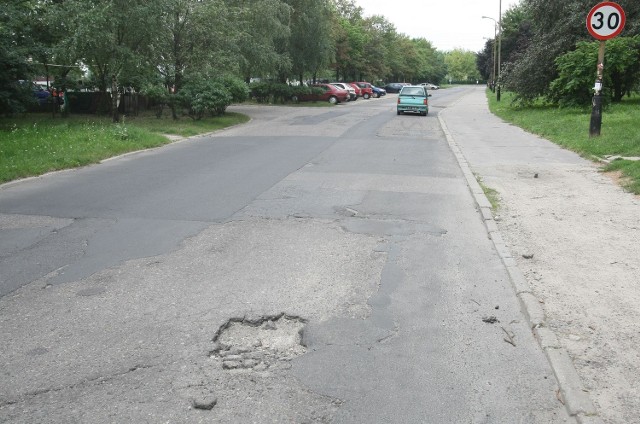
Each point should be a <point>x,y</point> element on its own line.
<point>35,144</point>
<point>569,128</point>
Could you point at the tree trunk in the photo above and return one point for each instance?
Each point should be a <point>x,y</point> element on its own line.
<point>114,99</point>
<point>618,93</point>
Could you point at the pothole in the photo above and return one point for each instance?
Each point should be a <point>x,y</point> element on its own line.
<point>259,344</point>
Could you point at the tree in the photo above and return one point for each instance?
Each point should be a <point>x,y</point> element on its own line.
<point>191,37</point>
<point>352,42</point>
<point>262,41</point>
<point>310,42</point>
<point>515,39</point>
<point>14,67</point>
<point>485,60</point>
<point>555,28</point>
<point>431,64</point>
<point>574,85</point>
<point>107,36</point>
<point>461,65</point>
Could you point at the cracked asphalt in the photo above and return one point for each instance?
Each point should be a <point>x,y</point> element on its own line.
<point>119,279</point>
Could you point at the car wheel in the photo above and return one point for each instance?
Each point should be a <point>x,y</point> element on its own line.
<point>366,96</point>
<point>376,95</point>
<point>333,100</point>
<point>399,113</point>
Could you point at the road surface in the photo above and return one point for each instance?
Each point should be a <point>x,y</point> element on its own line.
<point>316,265</point>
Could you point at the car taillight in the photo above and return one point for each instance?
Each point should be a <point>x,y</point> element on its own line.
<point>398,100</point>
<point>425,102</point>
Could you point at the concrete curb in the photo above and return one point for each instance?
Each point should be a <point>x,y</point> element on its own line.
<point>572,393</point>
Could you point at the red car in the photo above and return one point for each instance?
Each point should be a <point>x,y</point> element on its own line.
<point>330,93</point>
<point>365,88</point>
<point>357,88</point>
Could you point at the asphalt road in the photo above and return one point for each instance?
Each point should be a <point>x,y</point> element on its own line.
<point>313,265</point>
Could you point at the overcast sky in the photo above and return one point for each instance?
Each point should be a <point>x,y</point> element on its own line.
<point>448,24</point>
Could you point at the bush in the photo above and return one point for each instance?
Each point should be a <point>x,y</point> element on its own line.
<point>260,91</point>
<point>201,96</point>
<point>237,88</point>
<point>158,96</point>
<point>271,92</point>
<point>299,91</point>
<point>281,93</point>
<point>577,72</point>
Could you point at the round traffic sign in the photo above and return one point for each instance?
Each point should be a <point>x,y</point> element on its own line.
<point>606,20</point>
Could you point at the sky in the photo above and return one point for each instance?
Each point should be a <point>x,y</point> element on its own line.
<point>447,24</point>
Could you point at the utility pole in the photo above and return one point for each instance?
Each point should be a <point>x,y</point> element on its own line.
<point>499,50</point>
<point>495,40</point>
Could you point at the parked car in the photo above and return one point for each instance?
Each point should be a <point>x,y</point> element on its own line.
<point>41,95</point>
<point>413,99</point>
<point>357,88</point>
<point>366,89</point>
<point>429,86</point>
<point>378,92</point>
<point>327,92</point>
<point>395,87</point>
<point>344,86</point>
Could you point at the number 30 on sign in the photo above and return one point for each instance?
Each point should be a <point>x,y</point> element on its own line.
<point>606,20</point>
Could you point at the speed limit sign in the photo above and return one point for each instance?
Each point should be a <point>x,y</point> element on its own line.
<point>606,20</point>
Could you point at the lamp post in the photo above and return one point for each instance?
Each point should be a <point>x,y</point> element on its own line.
<point>495,36</point>
<point>499,49</point>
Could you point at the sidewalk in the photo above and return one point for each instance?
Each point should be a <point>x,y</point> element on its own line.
<point>570,238</point>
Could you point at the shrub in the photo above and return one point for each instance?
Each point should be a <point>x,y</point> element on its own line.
<point>237,88</point>
<point>271,92</point>
<point>200,97</point>
<point>158,96</point>
<point>577,72</point>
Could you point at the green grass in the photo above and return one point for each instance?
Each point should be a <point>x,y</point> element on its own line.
<point>492,195</point>
<point>569,128</point>
<point>35,144</point>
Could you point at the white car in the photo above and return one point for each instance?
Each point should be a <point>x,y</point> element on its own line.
<point>343,86</point>
<point>429,86</point>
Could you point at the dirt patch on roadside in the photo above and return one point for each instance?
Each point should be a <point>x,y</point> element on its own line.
<point>576,236</point>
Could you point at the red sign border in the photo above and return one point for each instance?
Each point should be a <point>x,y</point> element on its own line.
<point>595,8</point>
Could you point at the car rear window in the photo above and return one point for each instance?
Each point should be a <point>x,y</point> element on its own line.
<point>412,91</point>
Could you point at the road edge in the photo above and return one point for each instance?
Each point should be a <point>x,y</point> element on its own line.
<point>572,394</point>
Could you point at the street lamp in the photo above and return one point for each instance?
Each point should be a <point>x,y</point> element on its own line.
<point>495,36</point>
<point>499,26</point>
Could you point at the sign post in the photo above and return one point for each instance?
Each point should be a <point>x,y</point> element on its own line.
<point>605,21</point>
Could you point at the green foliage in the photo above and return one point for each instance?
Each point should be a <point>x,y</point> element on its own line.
<point>273,92</point>
<point>237,88</point>
<point>15,96</point>
<point>577,71</point>
<point>261,91</point>
<point>310,43</point>
<point>461,65</point>
<point>118,45</point>
<point>300,90</point>
<point>263,38</point>
<point>202,96</point>
<point>548,30</point>
<point>158,96</point>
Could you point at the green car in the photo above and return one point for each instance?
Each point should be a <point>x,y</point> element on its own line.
<point>413,99</point>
